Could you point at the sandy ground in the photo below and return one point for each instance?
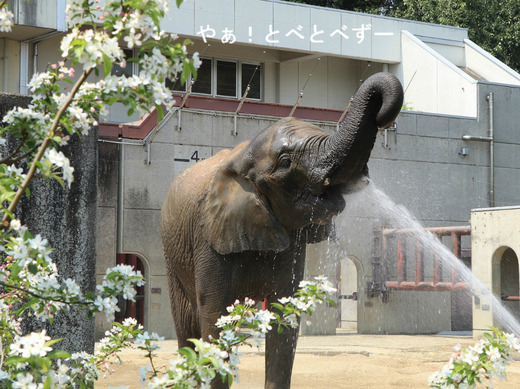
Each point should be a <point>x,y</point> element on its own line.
<point>346,360</point>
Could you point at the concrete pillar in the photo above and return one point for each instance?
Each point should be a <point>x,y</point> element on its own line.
<point>68,219</point>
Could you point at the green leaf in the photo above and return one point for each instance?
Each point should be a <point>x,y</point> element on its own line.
<point>160,112</point>
<point>107,64</point>
<point>185,73</point>
<point>197,343</point>
<point>229,379</point>
<point>331,302</point>
<point>188,353</point>
<point>179,2</point>
<point>59,354</point>
<point>44,363</point>
<point>488,336</point>
<point>53,341</point>
<point>48,382</point>
<point>33,269</point>
<point>14,360</point>
<point>213,361</point>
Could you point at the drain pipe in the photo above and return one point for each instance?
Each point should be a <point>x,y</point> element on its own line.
<point>120,190</point>
<point>491,139</point>
<point>491,149</point>
<point>6,65</point>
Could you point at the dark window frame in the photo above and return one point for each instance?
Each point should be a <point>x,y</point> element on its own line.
<point>240,83</point>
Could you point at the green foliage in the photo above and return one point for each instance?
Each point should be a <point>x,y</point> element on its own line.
<point>477,366</point>
<point>368,6</point>
<point>492,24</point>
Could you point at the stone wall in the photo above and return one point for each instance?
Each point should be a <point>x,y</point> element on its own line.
<point>67,219</point>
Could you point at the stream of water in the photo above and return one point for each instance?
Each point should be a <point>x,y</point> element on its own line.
<point>397,216</point>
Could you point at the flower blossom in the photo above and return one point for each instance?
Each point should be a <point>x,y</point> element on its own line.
<point>6,19</point>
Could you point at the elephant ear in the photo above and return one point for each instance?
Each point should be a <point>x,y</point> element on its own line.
<point>236,218</point>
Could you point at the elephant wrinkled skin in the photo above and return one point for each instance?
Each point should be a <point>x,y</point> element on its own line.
<point>236,225</point>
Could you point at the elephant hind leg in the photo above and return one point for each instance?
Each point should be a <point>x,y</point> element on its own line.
<point>184,315</point>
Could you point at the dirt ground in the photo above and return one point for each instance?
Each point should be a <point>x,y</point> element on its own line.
<point>346,360</point>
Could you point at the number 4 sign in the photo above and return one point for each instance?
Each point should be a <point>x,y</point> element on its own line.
<point>185,156</point>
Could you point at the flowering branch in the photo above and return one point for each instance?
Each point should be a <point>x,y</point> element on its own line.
<point>43,147</point>
<point>478,364</point>
<point>219,358</point>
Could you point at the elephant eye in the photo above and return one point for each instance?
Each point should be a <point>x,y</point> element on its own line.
<point>285,162</point>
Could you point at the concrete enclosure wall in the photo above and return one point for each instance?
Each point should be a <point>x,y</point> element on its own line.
<point>495,233</point>
<point>419,167</point>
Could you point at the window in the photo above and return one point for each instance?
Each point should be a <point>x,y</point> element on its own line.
<point>217,77</point>
<point>175,85</point>
<point>226,79</point>
<point>251,74</point>
<point>127,71</point>
<point>203,84</point>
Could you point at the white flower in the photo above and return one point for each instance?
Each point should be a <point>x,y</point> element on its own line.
<point>37,242</point>
<point>6,19</point>
<point>16,224</point>
<point>57,158</point>
<point>129,321</point>
<point>24,381</point>
<point>143,371</point>
<point>196,60</point>
<point>32,344</point>
<point>133,40</point>
<point>494,354</point>
<point>107,305</point>
<point>73,288</point>
<point>97,43</point>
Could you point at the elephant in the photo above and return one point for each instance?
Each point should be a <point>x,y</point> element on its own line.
<point>236,225</point>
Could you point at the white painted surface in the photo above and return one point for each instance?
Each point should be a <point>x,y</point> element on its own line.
<point>432,83</point>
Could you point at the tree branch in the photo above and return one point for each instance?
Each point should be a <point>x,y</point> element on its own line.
<point>45,298</point>
<point>43,147</point>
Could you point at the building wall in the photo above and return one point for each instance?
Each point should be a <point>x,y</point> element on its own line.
<point>9,66</point>
<point>488,66</point>
<point>425,73</point>
<point>420,168</point>
<point>329,82</point>
<point>39,13</point>
<point>493,230</point>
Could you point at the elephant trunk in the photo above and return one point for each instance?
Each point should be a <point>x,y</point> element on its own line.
<point>376,104</point>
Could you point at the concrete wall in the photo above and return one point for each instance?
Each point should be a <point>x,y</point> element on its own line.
<point>493,231</point>
<point>425,73</point>
<point>9,66</point>
<point>39,13</point>
<point>420,168</point>
<point>488,66</point>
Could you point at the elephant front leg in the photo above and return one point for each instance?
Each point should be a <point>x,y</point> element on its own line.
<point>279,357</point>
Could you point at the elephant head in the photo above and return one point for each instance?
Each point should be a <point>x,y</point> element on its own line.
<point>293,175</point>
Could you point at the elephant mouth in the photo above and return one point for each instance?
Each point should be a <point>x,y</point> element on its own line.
<point>352,185</point>
<point>329,199</point>
<point>326,202</point>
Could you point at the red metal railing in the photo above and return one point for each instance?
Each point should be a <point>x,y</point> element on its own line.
<point>403,265</point>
